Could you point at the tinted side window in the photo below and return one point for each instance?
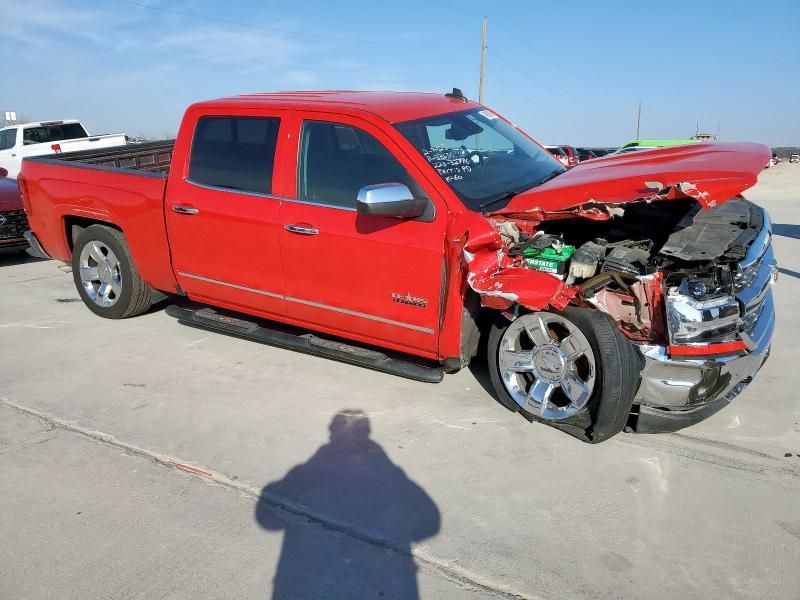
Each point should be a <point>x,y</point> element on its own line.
<point>7,139</point>
<point>337,160</point>
<point>34,135</point>
<point>234,152</point>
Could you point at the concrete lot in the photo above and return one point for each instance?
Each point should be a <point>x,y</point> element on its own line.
<point>133,455</point>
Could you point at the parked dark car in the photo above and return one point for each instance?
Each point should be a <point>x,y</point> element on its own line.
<point>585,154</point>
<point>13,223</point>
<point>559,154</point>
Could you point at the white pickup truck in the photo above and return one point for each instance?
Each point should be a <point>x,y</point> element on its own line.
<point>49,137</point>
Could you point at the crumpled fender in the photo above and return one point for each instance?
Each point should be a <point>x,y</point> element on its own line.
<point>490,272</point>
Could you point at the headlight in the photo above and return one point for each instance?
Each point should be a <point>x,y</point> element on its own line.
<point>743,277</point>
<point>692,320</point>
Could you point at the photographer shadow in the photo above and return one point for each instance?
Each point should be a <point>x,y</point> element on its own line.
<point>372,514</point>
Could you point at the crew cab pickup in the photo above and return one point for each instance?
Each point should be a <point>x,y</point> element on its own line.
<point>49,137</point>
<point>401,231</point>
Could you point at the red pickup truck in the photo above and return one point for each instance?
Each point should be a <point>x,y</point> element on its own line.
<point>405,230</point>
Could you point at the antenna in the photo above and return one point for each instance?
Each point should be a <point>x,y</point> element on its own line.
<point>457,94</point>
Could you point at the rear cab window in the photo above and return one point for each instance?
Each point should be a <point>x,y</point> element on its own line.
<point>234,153</point>
<point>43,134</point>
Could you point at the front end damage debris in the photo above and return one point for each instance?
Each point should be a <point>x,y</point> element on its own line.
<point>699,311</point>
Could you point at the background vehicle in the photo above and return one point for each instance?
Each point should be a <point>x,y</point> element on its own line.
<point>585,154</point>
<point>13,223</point>
<point>48,137</point>
<point>407,229</point>
<point>559,153</point>
<point>572,155</point>
<point>794,158</point>
<point>637,145</point>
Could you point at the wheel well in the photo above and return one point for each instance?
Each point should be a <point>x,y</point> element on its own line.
<point>73,226</point>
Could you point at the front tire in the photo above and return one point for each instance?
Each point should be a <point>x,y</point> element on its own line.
<point>572,370</point>
<point>105,275</point>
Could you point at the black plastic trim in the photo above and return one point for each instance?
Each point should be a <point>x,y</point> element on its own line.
<point>35,248</point>
<point>206,318</point>
<point>82,165</point>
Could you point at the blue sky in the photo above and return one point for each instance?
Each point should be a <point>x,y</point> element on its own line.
<point>567,72</point>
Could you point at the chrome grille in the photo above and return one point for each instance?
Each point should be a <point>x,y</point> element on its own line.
<point>753,279</point>
<point>12,225</point>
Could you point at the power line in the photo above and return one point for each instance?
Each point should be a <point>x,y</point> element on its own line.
<point>527,96</point>
<point>338,38</point>
<point>509,34</point>
<point>536,50</point>
<point>520,70</point>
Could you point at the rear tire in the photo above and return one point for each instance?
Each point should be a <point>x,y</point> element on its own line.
<point>105,275</point>
<point>610,368</point>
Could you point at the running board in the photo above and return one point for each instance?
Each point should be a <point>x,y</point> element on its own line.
<point>207,318</point>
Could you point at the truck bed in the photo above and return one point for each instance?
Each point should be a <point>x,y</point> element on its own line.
<point>121,186</point>
<point>152,157</point>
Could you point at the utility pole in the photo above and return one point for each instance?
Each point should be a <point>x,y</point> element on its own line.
<point>483,61</point>
<point>638,119</point>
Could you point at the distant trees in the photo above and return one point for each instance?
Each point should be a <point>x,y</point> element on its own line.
<point>21,118</point>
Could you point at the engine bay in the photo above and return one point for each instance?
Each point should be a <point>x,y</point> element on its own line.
<point>645,256</point>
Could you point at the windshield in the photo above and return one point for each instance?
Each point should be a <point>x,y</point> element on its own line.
<point>483,159</point>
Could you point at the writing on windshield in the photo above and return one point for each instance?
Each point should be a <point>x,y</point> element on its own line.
<point>451,164</point>
<point>479,155</point>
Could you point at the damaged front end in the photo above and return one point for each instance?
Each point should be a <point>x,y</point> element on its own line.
<point>689,288</point>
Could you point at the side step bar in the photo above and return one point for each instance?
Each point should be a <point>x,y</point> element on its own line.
<point>207,318</point>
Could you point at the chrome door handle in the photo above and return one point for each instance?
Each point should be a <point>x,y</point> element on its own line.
<point>182,209</point>
<point>301,229</point>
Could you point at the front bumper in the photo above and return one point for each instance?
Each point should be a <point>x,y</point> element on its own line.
<point>675,393</point>
<point>15,244</point>
<point>12,225</point>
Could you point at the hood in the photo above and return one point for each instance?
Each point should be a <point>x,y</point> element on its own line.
<point>10,198</point>
<point>711,173</point>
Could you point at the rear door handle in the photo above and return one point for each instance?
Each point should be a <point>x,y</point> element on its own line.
<point>182,209</point>
<point>302,230</point>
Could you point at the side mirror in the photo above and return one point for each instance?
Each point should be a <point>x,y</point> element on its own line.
<point>3,172</point>
<point>390,200</point>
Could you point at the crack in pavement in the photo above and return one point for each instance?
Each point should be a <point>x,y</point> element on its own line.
<point>465,579</point>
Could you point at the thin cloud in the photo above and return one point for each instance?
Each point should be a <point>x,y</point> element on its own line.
<point>224,46</point>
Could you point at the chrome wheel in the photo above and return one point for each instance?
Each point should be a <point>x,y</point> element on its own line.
<point>547,365</point>
<point>100,274</point>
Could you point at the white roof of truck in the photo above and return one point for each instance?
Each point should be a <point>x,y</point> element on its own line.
<point>40,123</point>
